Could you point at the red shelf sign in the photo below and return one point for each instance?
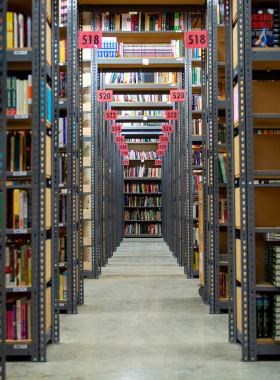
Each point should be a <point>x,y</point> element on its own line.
<point>158,162</point>
<point>164,139</point>
<point>167,128</point>
<point>116,128</point>
<point>171,115</point>
<point>123,147</point>
<point>90,40</point>
<point>104,95</point>
<point>162,146</point>
<point>177,95</point>
<point>125,162</point>
<point>119,139</point>
<point>197,39</point>
<point>111,115</point>
<point>124,153</point>
<point>160,152</point>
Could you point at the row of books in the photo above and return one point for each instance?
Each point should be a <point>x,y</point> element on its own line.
<point>133,154</point>
<point>19,209</point>
<point>197,178</point>
<point>131,201</point>
<point>221,89</point>
<point>223,285</point>
<point>197,127</point>
<point>18,151</point>
<point>19,96</point>
<point>272,264</point>
<point>63,51</point>
<point>222,157</point>
<point>18,318</point>
<point>141,77</point>
<point>141,140</point>
<point>142,215</point>
<point>142,188</point>
<point>16,183</point>
<point>196,237</point>
<point>62,168</point>
<point>221,11</point>
<point>138,21</point>
<point>196,53</point>
<point>62,246</point>
<point>196,260</point>
<point>19,30</point>
<point>141,112</point>
<point>63,85</point>
<point>266,131</point>
<point>141,98</point>
<point>196,76</point>
<point>18,265</point>
<point>268,316</point>
<point>196,102</point>
<point>62,12</point>
<point>195,210</point>
<point>197,158</point>
<point>62,209</point>
<point>63,286</point>
<point>222,133</point>
<point>222,210</point>
<point>62,136</point>
<point>142,229</point>
<point>271,236</point>
<point>142,171</point>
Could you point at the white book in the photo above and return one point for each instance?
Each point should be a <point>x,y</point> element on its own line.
<point>21,209</point>
<point>29,29</point>
<point>60,133</point>
<point>124,22</point>
<point>20,20</point>
<point>103,18</point>
<point>15,30</point>
<point>25,210</point>
<point>25,97</point>
<point>128,23</point>
<point>60,169</point>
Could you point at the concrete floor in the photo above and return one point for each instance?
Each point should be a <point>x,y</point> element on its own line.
<point>143,320</point>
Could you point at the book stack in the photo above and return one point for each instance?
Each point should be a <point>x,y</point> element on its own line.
<point>62,138</point>
<point>19,30</point>
<point>133,154</point>
<point>138,21</point>
<point>197,158</point>
<point>221,12</point>
<point>222,210</point>
<point>275,311</point>
<point>141,112</point>
<point>63,85</point>
<point>141,98</point>
<point>221,89</point>
<point>266,131</point>
<point>141,77</point>
<point>195,210</point>
<point>196,53</point>
<point>19,96</point>
<point>271,236</point>
<point>18,265</point>
<point>110,48</point>
<point>62,249</point>
<point>197,127</point>
<point>142,215</point>
<point>223,285</point>
<point>195,237</point>
<point>173,50</point>
<point>62,168</point>
<point>19,209</point>
<point>62,11</point>
<point>142,229</point>
<point>138,188</point>
<point>18,318</point>
<point>63,286</point>
<point>222,157</point>
<point>196,76</point>
<point>221,133</point>
<point>196,260</point>
<point>63,51</point>
<point>141,171</point>
<point>196,102</point>
<point>140,140</point>
<point>196,180</point>
<point>272,264</point>
<point>18,151</point>
<point>263,318</point>
<point>142,201</point>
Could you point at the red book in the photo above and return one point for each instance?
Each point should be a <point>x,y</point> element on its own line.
<point>221,285</point>
<point>159,21</point>
<point>65,50</point>
<point>9,307</point>
<point>225,211</point>
<point>132,23</point>
<point>23,320</point>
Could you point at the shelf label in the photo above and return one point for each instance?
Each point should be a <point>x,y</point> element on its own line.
<point>15,174</point>
<point>119,139</point>
<point>124,153</point>
<point>160,152</point>
<point>90,40</point>
<point>61,185</point>
<point>171,115</point>
<point>125,162</point>
<point>61,63</point>
<point>20,52</point>
<point>145,62</point>
<point>21,116</point>
<point>61,102</point>
<point>123,147</point>
<point>167,128</point>
<point>197,39</point>
<point>60,225</point>
<point>61,304</point>
<point>177,95</point>
<point>20,231</point>
<point>142,160</point>
<point>20,346</point>
<point>104,95</point>
<point>164,139</point>
<point>158,162</point>
<point>179,59</point>
<point>173,85</point>
<point>145,118</point>
<point>116,128</point>
<point>111,115</point>
<point>162,146</point>
<point>20,289</point>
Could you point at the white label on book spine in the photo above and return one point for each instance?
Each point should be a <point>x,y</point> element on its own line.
<point>61,304</point>
<point>61,102</point>
<point>20,289</point>
<point>20,52</point>
<point>20,346</point>
<point>15,174</point>
<point>145,62</point>
<point>21,116</point>
<point>20,231</point>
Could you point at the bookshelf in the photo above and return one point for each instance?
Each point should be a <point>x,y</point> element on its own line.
<point>252,183</point>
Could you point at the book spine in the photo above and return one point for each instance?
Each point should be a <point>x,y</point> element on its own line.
<point>29,94</point>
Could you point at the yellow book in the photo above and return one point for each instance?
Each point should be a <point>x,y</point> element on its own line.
<point>16,209</point>
<point>62,51</point>
<point>61,287</point>
<point>10,30</point>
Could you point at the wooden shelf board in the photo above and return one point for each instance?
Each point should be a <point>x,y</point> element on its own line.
<point>223,299</point>
<point>266,341</point>
<point>19,49</point>
<point>27,341</point>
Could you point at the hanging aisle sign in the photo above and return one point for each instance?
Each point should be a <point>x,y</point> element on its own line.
<point>162,146</point>
<point>167,128</point>
<point>171,115</point>
<point>90,40</point>
<point>196,39</point>
<point>125,162</point>
<point>177,95</point>
<point>104,95</point>
<point>124,153</point>
<point>119,139</point>
<point>111,115</point>
<point>164,139</point>
<point>160,152</point>
<point>123,147</point>
<point>158,162</point>
<point>116,128</point>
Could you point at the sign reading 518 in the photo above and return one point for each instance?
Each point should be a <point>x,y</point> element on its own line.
<point>196,39</point>
<point>90,40</point>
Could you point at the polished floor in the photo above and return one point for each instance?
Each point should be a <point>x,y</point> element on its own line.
<point>143,320</point>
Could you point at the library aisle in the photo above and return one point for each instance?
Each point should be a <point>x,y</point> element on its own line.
<point>143,321</point>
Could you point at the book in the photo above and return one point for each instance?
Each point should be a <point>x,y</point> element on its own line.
<point>259,313</point>
<point>262,27</point>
